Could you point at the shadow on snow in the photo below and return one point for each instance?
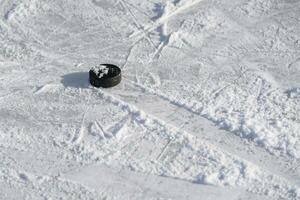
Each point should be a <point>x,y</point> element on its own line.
<point>76,80</point>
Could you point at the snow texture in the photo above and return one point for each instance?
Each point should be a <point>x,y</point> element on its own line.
<point>208,106</point>
<point>100,70</point>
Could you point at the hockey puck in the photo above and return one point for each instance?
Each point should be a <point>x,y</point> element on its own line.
<point>105,75</point>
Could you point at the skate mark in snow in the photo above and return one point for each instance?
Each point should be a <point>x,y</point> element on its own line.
<point>164,37</point>
<point>79,134</point>
<point>187,5</point>
<point>120,127</point>
<point>163,150</point>
<point>47,88</point>
<point>137,24</point>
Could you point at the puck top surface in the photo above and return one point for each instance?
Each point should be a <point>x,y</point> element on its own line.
<point>100,70</point>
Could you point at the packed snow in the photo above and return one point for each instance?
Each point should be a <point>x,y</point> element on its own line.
<point>100,70</point>
<point>208,108</point>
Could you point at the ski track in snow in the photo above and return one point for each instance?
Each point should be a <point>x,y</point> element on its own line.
<point>208,106</point>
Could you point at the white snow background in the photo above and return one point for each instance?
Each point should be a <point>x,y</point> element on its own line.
<point>208,107</point>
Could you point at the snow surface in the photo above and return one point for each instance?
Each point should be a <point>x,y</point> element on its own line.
<point>208,108</point>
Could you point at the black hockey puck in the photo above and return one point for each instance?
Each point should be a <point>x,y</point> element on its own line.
<point>105,75</point>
